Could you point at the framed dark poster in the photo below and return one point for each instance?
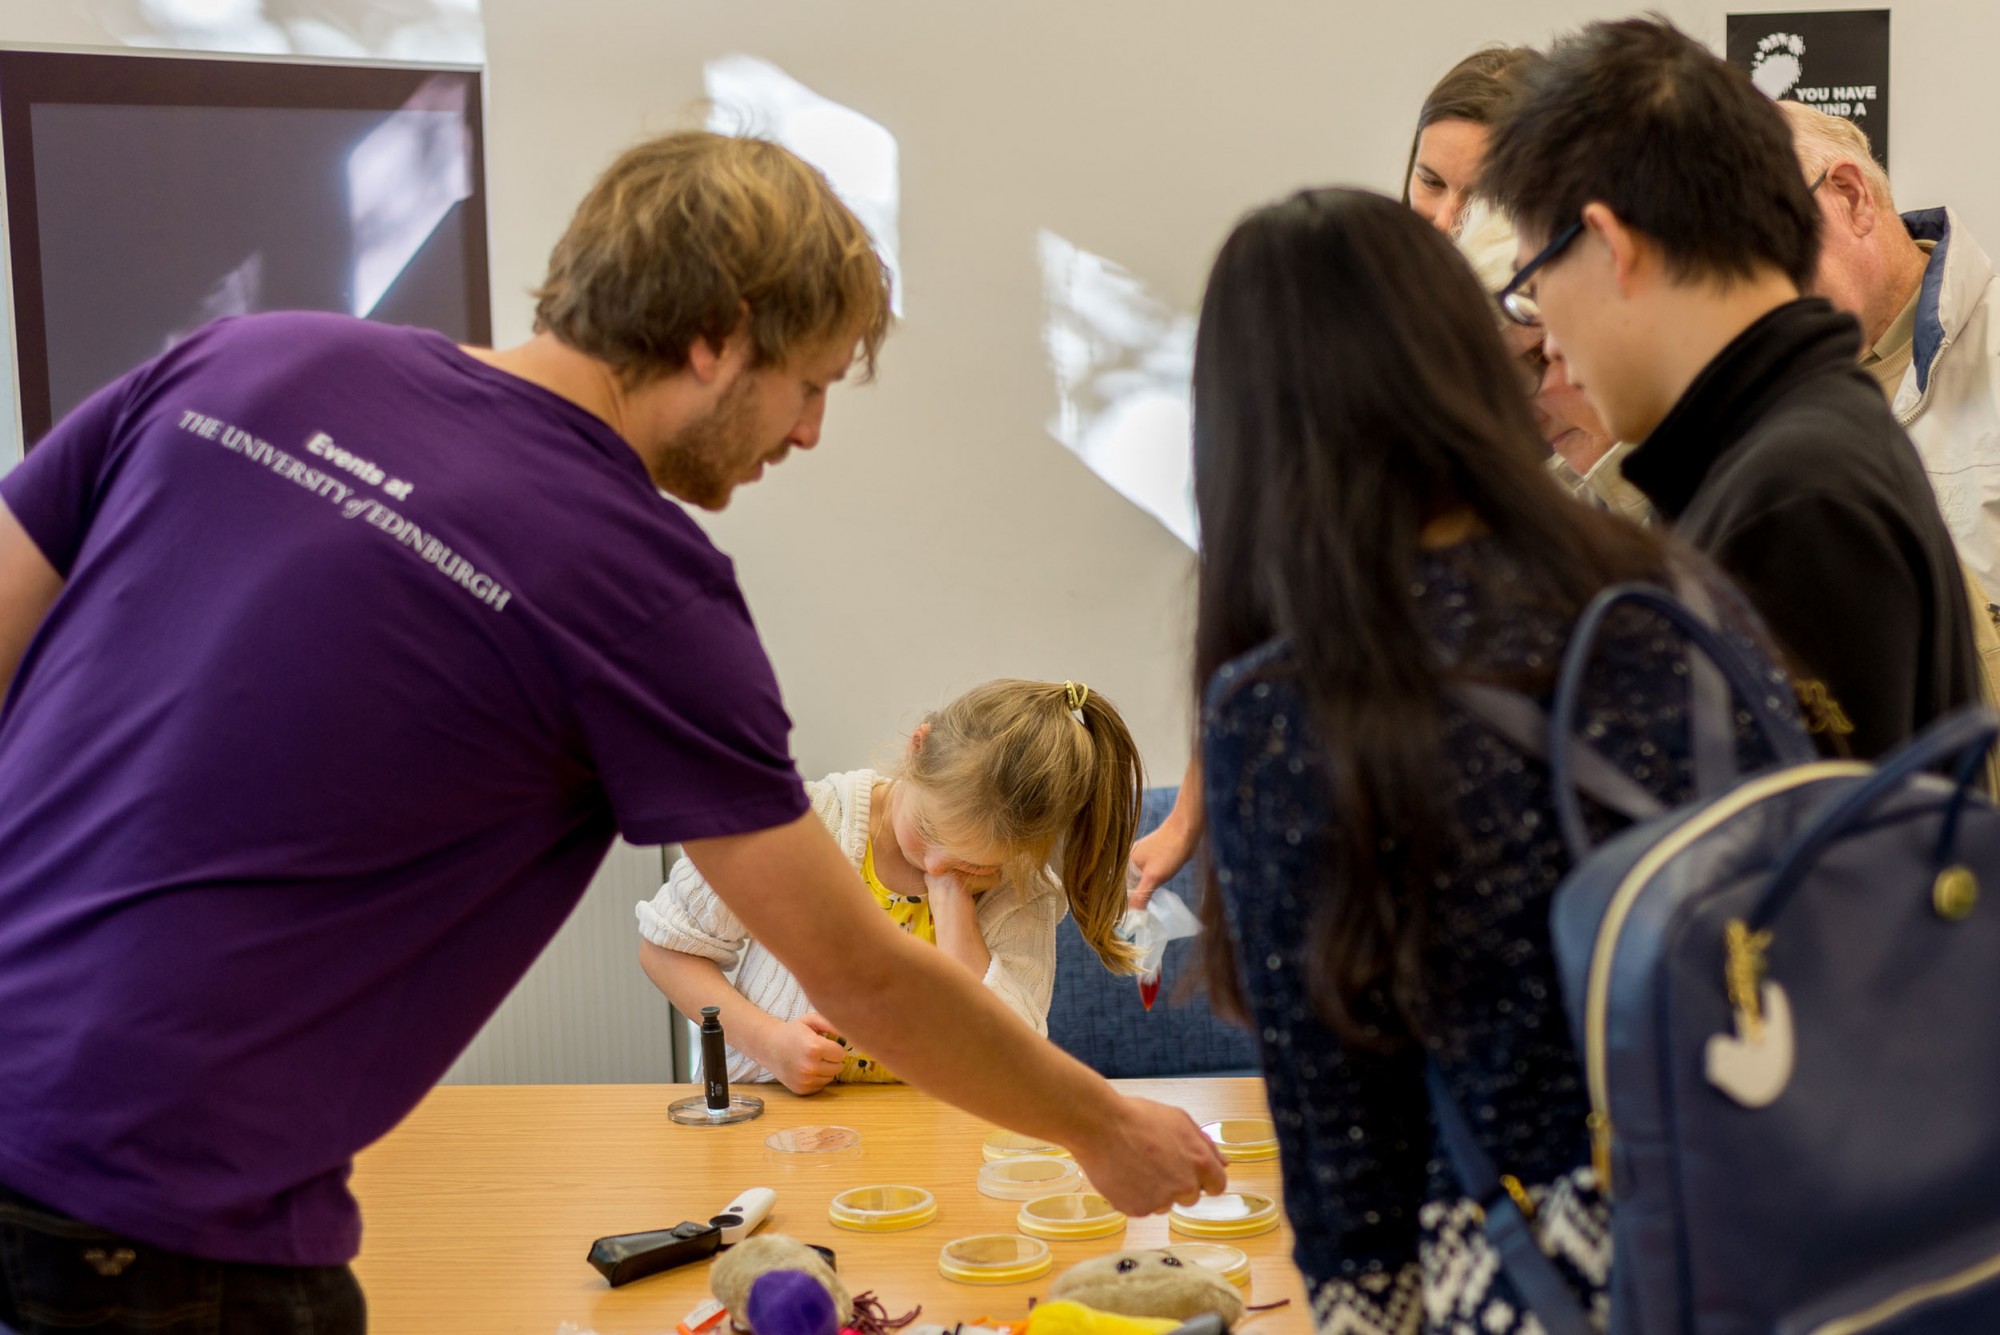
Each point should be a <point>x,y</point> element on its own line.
<point>1836,61</point>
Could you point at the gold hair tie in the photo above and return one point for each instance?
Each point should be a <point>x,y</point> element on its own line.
<point>1075,692</point>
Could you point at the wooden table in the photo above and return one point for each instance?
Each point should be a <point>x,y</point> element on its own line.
<point>479,1208</point>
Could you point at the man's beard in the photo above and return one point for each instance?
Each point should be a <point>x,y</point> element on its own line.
<point>699,465</point>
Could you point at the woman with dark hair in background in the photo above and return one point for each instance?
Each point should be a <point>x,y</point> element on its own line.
<point>1450,143</point>
<point>1446,153</point>
<point>1378,524</point>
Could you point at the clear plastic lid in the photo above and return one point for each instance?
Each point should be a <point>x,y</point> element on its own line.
<point>1013,1145</point>
<point>995,1258</point>
<point>1244,1139</point>
<point>883,1209</point>
<point>1026,1178</point>
<point>1070,1216</point>
<point>1230,1215</point>
<point>1228,1262</point>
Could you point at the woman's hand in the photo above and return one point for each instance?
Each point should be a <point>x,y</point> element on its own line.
<point>1158,857</point>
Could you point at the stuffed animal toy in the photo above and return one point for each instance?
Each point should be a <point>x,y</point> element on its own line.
<point>738,1268</point>
<point>1149,1284</point>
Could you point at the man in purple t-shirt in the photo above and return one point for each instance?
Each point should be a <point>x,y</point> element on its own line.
<point>336,655</point>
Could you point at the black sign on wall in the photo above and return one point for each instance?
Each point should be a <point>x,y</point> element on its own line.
<point>1835,61</point>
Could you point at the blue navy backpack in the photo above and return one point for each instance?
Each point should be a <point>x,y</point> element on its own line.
<point>1786,997</point>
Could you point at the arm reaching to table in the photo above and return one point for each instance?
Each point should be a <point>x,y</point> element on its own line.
<point>926,1018</point>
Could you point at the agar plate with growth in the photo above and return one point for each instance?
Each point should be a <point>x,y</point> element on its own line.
<point>995,1258</point>
<point>1071,1217</point>
<point>1028,1177</point>
<point>1014,1145</point>
<point>820,1142</point>
<point>884,1209</point>
<point>1228,1262</point>
<point>1230,1215</point>
<point>1244,1139</point>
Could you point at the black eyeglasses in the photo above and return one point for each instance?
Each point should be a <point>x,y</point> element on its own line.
<point>1519,305</point>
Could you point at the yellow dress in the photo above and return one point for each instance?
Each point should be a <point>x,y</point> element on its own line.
<point>914,917</point>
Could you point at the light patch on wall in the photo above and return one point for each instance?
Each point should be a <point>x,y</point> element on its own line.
<point>403,180</point>
<point>428,32</point>
<point>1122,361</point>
<point>749,96</point>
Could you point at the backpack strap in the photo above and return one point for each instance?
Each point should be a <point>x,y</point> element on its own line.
<point>1525,724</point>
<point>1535,1277</point>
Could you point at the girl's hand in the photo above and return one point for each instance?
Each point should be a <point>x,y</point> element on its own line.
<point>802,1053</point>
<point>955,915</point>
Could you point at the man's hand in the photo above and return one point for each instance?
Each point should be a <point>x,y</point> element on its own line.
<point>802,1053</point>
<point>1153,1157</point>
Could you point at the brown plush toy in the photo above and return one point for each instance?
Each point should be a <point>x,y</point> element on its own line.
<point>1150,1283</point>
<point>737,1269</point>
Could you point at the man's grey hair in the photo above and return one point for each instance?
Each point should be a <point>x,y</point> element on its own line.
<point>1824,142</point>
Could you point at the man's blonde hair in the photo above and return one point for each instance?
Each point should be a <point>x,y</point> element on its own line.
<point>693,235</point>
<point>1823,142</point>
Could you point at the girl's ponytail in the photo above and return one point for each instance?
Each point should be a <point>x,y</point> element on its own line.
<point>1097,847</point>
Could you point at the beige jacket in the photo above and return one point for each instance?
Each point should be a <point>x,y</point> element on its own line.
<point>1949,400</point>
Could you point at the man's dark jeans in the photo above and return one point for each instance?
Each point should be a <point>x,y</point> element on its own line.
<point>59,1276</point>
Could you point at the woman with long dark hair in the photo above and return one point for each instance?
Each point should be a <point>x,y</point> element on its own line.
<point>1377,524</point>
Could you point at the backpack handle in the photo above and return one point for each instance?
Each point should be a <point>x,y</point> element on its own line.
<point>1964,737</point>
<point>1745,683</point>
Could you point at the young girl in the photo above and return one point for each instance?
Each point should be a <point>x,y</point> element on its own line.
<point>957,845</point>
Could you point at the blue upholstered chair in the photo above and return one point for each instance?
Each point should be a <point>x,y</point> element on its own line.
<point>1097,1016</point>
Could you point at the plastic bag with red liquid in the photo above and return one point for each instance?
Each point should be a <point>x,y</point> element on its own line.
<point>1165,918</point>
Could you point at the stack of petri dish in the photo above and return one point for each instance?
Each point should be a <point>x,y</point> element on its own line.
<point>883,1209</point>
<point>818,1144</point>
<point>995,1258</point>
<point>1014,1145</point>
<point>1234,1214</point>
<point>1070,1217</point>
<point>1027,1177</point>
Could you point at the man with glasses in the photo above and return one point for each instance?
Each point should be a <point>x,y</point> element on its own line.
<point>1665,238</point>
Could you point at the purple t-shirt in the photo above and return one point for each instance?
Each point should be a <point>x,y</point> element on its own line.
<point>365,651</point>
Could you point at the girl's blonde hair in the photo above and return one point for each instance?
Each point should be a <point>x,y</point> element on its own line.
<point>1011,759</point>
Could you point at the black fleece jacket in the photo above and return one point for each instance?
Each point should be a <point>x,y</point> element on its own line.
<point>1783,463</point>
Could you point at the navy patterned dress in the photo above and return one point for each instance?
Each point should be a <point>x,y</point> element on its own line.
<point>1386,1239</point>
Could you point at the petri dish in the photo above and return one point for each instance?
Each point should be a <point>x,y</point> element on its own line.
<point>1244,1139</point>
<point>1070,1217</point>
<point>883,1209</point>
<point>995,1258</point>
<point>1026,1178</point>
<point>1228,1262</point>
<point>1233,1214</point>
<point>1013,1145</point>
<point>814,1144</point>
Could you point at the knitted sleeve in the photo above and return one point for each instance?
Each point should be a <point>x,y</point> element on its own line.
<point>687,915</point>
<point>1019,927</point>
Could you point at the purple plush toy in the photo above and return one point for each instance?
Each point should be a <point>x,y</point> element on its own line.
<point>790,1302</point>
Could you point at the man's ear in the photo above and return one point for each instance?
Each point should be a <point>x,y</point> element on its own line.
<point>1632,256</point>
<point>710,361</point>
<point>1854,201</point>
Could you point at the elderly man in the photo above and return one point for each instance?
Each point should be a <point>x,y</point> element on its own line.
<point>1925,295</point>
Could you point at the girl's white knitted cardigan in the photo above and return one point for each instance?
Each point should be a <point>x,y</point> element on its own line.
<point>1019,927</point>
